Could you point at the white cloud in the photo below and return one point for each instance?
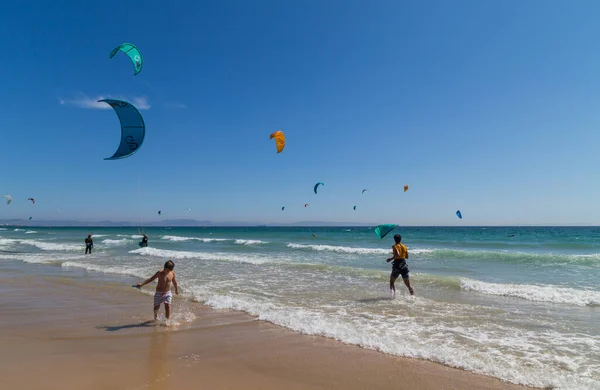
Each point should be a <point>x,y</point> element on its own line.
<point>141,103</point>
<point>175,105</point>
<point>84,101</point>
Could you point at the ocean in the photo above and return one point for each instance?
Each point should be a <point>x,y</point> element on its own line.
<point>518,303</point>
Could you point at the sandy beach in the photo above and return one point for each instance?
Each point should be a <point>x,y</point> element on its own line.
<point>65,329</point>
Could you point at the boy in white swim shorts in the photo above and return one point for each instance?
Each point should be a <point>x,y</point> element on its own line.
<point>163,289</point>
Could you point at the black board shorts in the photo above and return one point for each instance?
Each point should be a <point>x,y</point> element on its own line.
<point>400,268</point>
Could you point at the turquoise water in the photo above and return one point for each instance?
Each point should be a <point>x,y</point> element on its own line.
<point>524,309</point>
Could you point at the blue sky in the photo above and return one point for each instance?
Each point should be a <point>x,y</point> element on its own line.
<point>491,107</point>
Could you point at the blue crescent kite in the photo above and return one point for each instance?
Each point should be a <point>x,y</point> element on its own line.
<point>459,214</point>
<point>317,185</point>
<point>133,129</point>
<point>133,53</point>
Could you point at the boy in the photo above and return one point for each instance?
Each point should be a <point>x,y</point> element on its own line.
<point>163,289</point>
<point>400,254</point>
<point>89,244</point>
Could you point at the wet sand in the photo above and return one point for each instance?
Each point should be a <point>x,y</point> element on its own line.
<point>73,329</point>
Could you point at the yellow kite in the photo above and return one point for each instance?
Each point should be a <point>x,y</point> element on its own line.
<point>279,140</point>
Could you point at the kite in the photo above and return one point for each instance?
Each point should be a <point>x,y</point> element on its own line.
<point>159,212</point>
<point>459,214</point>
<point>30,218</point>
<point>363,191</point>
<point>306,205</point>
<point>188,210</point>
<point>133,129</point>
<point>133,53</point>
<point>32,200</point>
<point>317,185</point>
<point>283,208</point>
<point>383,230</point>
<point>354,207</point>
<point>279,140</point>
<point>406,188</point>
<point>8,199</point>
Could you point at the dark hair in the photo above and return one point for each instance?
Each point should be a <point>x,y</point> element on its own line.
<point>169,265</point>
<point>397,237</point>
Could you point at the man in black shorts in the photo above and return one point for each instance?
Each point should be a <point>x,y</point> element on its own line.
<point>89,244</point>
<point>399,267</point>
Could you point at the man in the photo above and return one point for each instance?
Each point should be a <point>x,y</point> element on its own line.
<point>89,244</point>
<point>163,290</point>
<point>144,242</point>
<point>399,267</point>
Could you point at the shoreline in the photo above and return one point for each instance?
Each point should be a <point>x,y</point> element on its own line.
<point>82,329</point>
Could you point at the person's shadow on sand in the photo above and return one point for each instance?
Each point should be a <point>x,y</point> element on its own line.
<point>145,324</point>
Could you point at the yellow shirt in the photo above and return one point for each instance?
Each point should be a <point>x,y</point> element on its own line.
<point>400,251</point>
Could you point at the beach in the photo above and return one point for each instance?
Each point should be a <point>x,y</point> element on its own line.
<point>517,304</point>
<point>76,329</point>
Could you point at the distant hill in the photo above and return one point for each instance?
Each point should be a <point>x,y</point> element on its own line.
<point>167,222</point>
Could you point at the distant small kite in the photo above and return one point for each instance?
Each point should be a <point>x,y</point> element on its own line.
<point>279,140</point>
<point>317,186</point>
<point>283,208</point>
<point>306,205</point>
<point>354,207</point>
<point>159,212</point>
<point>133,53</point>
<point>406,188</point>
<point>365,190</point>
<point>459,214</point>
<point>32,200</point>
<point>8,199</point>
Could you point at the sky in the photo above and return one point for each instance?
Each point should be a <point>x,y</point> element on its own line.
<point>490,107</point>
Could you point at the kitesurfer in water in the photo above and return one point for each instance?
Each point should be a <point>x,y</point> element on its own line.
<point>89,244</point>
<point>399,267</point>
<point>144,242</point>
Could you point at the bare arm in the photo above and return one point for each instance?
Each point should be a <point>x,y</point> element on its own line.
<point>393,254</point>
<point>148,280</point>
<point>175,284</point>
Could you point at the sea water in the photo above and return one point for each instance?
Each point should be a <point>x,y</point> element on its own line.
<point>521,304</point>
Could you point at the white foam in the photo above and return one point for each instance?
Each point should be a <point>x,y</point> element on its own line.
<point>341,249</point>
<point>45,246</point>
<point>7,242</point>
<point>37,258</point>
<point>50,246</point>
<point>245,258</point>
<point>250,242</point>
<point>528,362</point>
<point>30,232</point>
<point>120,242</point>
<point>534,292</point>
<point>120,270</point>
<point>420,251</point>
<point>18,230</point>
<point>180,238</point>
